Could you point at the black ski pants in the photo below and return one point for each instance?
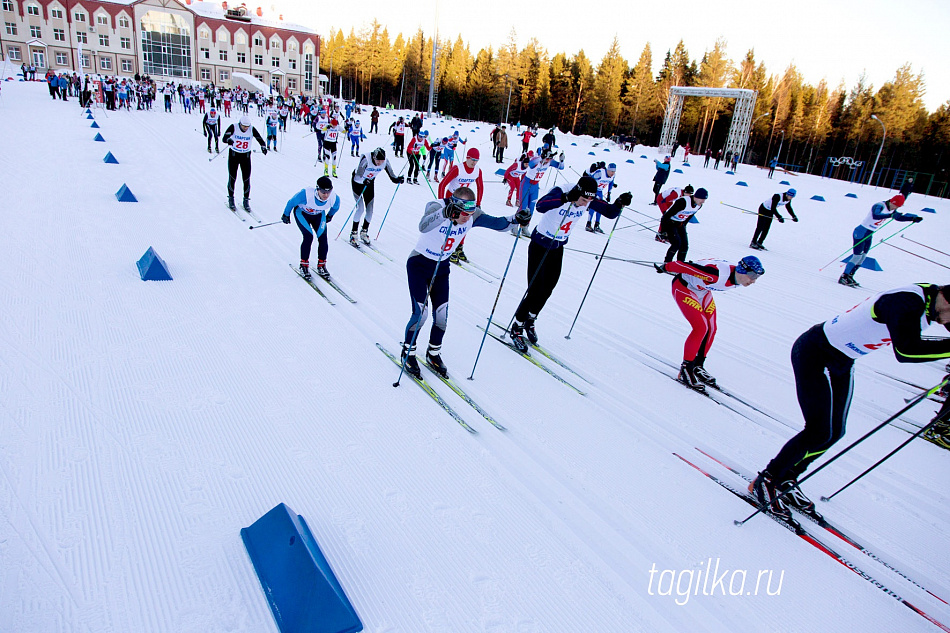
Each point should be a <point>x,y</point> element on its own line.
<point>679,242</point>
<point>544,271</point>
<point>242,160</point>
<point>763,225</point>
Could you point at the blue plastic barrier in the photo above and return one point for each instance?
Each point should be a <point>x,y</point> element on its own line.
<point>152,267</point>
<point>124,194</point>
<point>109,158</point>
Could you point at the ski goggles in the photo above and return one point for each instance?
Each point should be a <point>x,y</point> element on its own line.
<point>464,207</point>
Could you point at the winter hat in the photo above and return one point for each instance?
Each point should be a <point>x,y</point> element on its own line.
<point>324,184</point>
<point>245,121</point>
<point>587,186</point>
<point>472,153</point>
<point>897,201</point>
<point>791,193</point>
<point>701,194</point>
<point>612,167</point>
<point>751,266</point>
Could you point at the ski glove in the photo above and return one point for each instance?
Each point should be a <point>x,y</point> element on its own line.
<point>624,199</point>
<point>523,217</point>
<point>572,195</point>
<point>917,219</point>
<point>399,180</point>
<point>285,219</point>
<point>660,268</point>
<point>264,151</point>
<point>780,219</point>
<point>794,219</point>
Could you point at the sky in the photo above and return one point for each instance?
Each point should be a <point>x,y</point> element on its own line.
<point>825,40</point>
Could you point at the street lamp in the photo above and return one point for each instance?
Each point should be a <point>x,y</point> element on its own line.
<point>883,136</point>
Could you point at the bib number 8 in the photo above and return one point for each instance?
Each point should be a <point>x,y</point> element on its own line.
<point>449,243</point>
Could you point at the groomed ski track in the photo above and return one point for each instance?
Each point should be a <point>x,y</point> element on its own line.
<point>145,423</point>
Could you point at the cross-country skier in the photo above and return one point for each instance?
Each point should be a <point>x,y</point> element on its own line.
<point>513,177</point>
<point>879,214</point>
<point>692,293</point>
<point>604,175</point>
<point>467,174</point>
<point>448,152</point>
<point>416,149</point>
<point>678,206</point>
<point>442,227</point>
<point>363,185</point>
<point>240,140</point>
<point>211,124</point>
<point>331,136</point>
<point>559,211</point>
<point>272,121</point>
<point>823,362</point>
<point>435,156</point>
<point>398,130</point>
<point>767,210</point>
<point>313,208</point>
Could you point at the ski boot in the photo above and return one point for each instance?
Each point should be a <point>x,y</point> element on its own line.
<point>247,204</point>
<point>529,330</point>
<point>322,269</point>
<point>209,149</point>
<point>763,489</point>
<point>364,236</point>
<point>508,202</point>
<point>231,203</point>
<point>434,359</point>
<point>460,253</point>
<point>688,377</point>
<point>847,280</point>
<point>754,245</point>
<point>408,356</point>
<point>703,376</point>
<point>661,237</point>
<point>326,169</point>
<point>794,497</point>
<point>516,332</point>
<point>597,228</point>
<point>334,171</point>
<point>589,228</point>
<point>305,269</point>
<point>354,240</point>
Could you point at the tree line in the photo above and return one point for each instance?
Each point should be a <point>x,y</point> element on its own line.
<point>799,123</point>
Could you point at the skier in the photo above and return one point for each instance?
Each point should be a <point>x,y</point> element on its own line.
<point>467,174</point>
<point>398,130</point>
<point>435,156</point>
<point>879,214</point>
<point>768,209</point>
<point>823,362</point>
<point>448,152</point>
<point>691,292</point>
<point>331,134</point>
<point>513,177</point>
<point>661,176</point>
<point>313,208</point>
<point>526,139</point>
<point>240,140</point>
<point>416,148</point>
<point>560,212</point>
<point>355,134</point>
<point>363,185</point>
<point>441,228</point>
<point>604,175</point>
<point>676,216</point>
<point>534,170</point>
<point>211,124</point>
<point>272,121</point>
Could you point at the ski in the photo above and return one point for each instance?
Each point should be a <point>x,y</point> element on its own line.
<point>372,247</point>
<point>534,361</point>
<point>547,354</point>
<point>236,214</point>
<point>311,284</point>
<point>796,528</point>
<point>482,268</point>
<point>430,391</point>
<point>830,527</point>
<point>358,247</point>
<point>251,213</point>
<point>334,285</point>
<point>474,271</point>
<point>451,384</point>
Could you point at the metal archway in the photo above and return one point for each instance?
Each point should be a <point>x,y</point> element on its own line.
<point>741,117</point>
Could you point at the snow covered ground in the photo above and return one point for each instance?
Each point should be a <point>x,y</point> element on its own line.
<point>143,424</point>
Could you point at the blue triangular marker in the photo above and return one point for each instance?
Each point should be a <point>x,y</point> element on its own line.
<point>693,220</point>
<point>869,262</point>
<point>928,210</point>
<point>850,195</point>
<point>730,173</point>
<point>742,183</point>
<point>642,156</point>
<point>125,195</point>
<point>94,125</point>
<point>818,198</point>
<point>785,182</point>
<point>686,164</point>
<point>89,116</point>
<point>99,138</point>
<point>573,144</point>
<point>591,154</point>
<point>630,160</point>
<point>499,172</point>
<point>677,171</point>
<point>110,159</point>
<point>152,267</point>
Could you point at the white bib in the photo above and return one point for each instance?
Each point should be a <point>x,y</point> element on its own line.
<point>241,141</point>
<point>434,245</point>
<point>557,224</point>
<point>855,333</point>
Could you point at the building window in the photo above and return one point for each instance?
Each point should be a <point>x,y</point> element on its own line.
<point>259,77</point>
<point>293,64</point>
<point>258,41</point>
<point>308,72</point>
<point>275,43</point>
<point>103,20</point>
<point>81,37</point>
<point>103,40</point>
<point>56,13</point>
<point>84,61</point>
<point>206,53</point>
<point>292,47</point>
<point>127,66</point>
<point>8,5</point>
<point>223,37</point>
<point>242,58</point>
<point>36,32</point>
<point>14,53</point>
<point>224,75</point>
<point>206,74</point>
<point>292,83</point>
<point>32,10</point>
<point>240,39</point>
<point>204,34</point>
<point>11,28</point>
<point>166,45</point>
<point>124,22</point>
<point>223,56</point>
<point>62,59</point>
<point>275,62</point>
<point>126,43</point>
<point>79,16</point>
<point>59,35</point>
<point>105,63</point>
<point>258,60</point>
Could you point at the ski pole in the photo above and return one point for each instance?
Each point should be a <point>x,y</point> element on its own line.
<point>925,246</point>
<point>534,276</point>
<point>919,256</point>
<point>596,268</point>
<point>415,335</point>
<point>940,417</point>
<point>260,226</point>
<point>385,215</point>
<point>868,236</point>
<point>923,396</point>
<point>218,155</point>
<point>744,210</point>
<point>497,295</point>
<point>355,204</point>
